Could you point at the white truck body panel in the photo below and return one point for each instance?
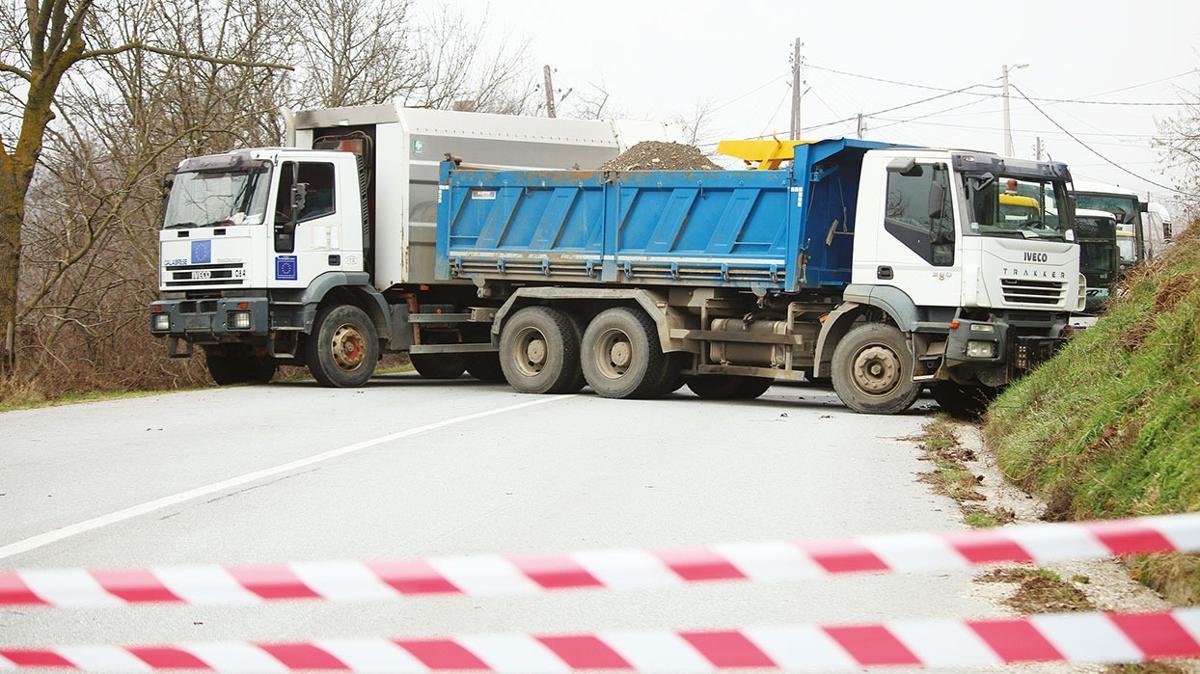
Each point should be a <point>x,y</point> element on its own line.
<point>410,143</point>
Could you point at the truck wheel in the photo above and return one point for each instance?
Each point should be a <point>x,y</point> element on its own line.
<point>539,351</point>
<point>223,365</point>
<point>343,348</point>
<point>485,366</point>
<point>963,401</point>
<point>238,364</point>
<point>728,387</point>
<point>439,365</point>
<point>673,378</point>
<point>621,354</point>
<point>872,370</point>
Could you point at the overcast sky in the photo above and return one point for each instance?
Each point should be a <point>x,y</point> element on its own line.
<point>659,58</point>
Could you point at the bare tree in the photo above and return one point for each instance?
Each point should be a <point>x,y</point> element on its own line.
<point>591,102</point>
<point>39,45</point>
<point>1179,141</point>
<point>354,52</point>
<point>696,124</point>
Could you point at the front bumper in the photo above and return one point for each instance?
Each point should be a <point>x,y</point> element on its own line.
<point>210,320</point>
<point>1014,348</point>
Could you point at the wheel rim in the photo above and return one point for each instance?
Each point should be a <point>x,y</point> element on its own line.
<point>613,353</point>
<point>876,370</point>
<point>349,347</point>
<point>529,351</point>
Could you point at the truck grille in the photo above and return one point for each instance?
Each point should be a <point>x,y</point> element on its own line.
<point>1021,291</point>
<point>219,274</point>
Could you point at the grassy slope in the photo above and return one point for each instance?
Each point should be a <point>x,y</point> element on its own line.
<point>1111,427</point>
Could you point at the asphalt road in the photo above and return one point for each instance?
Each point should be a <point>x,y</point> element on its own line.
<point>406,467</point>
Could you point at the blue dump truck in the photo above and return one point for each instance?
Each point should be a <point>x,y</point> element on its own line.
<point>886,269</point>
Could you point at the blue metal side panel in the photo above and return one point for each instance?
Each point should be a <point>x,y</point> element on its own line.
<point>760,230</point>
<point>521,223</point>
<point>726,228</point>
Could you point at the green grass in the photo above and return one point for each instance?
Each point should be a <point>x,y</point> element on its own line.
<point>73,398</point>
<point>1111,426</point>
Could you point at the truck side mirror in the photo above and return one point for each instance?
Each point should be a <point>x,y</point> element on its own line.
<point>1143,206</point>
<point>937,200</point>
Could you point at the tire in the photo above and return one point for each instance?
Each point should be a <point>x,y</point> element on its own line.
<point>728,387</point>
<point>343,349</point>
<point>621,355</point>
<point>963,401</point>
<point>872,370</point>
<point>673,378</point>
<point>485,366</point>
<point>539,351</point>
<point>238,364</point>
<point>439,365</point>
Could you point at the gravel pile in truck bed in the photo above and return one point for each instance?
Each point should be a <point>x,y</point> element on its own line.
<point>655,155</point>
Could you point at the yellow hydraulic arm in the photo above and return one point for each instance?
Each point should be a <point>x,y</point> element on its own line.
<point>768,153</point>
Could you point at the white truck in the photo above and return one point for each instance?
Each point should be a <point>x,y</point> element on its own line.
<point>887,269</point>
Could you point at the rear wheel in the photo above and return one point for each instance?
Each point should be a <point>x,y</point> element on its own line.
<point>872,370</point>
<point>621,354</point>
<point>438,365</point>
<point>344,347</point>
<point>485,366</point>
<point>539,351</point>
<point>963,401</point>
<point>728,387</point>
<point>673,378</point>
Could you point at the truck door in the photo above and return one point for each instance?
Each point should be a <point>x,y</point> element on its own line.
<point>307,240</point>
<point>916,250</point>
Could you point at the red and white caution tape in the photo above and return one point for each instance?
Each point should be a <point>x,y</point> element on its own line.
<point>1070,637</point>
<point>484,575</point>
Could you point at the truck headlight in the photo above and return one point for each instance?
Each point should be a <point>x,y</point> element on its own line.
<point>162,322</point>
<point>239,320</point>
<point>981,349</point>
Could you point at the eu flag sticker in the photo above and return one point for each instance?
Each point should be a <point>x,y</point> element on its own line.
<point>285,268</point>
<point>201,252</point>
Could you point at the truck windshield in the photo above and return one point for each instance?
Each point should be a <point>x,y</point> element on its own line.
<point>214,198</point>
<point>1123,207</point>
<point>1016,207</point>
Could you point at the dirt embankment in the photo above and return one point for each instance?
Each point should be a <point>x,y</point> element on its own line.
<point>659,156</point>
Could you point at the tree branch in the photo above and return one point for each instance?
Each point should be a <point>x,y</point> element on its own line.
<point>217,60</point>
<point>23,74</point>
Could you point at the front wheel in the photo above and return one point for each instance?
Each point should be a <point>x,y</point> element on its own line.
<point>343,348</point>
<point>238,364</point>
<point>872,370</point>
<point>963,401</point>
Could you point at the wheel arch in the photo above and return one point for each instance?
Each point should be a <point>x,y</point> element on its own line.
<point>895,305</point>
<point>346,288</point>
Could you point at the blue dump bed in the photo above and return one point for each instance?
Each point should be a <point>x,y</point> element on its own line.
<point>770,231</point>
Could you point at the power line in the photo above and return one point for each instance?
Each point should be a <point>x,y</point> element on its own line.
<point>1096,152</point>
<point>753,91</point>
<point>894,122</point>
<point>992,95</point>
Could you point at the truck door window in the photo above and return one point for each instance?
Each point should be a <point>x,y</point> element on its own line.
<point>319,197</point>
<point>913,215</point>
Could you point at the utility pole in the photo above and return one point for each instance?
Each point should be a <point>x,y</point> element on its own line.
<point>1039,148</point>
<point>797,87</point>
<point>550,112</point>
<point>861,127</point>
<point>1009,150</point>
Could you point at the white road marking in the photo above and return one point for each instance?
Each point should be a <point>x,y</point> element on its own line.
<point>63,533</point>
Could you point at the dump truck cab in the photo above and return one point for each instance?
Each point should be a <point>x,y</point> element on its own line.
<point>1099,257</point>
